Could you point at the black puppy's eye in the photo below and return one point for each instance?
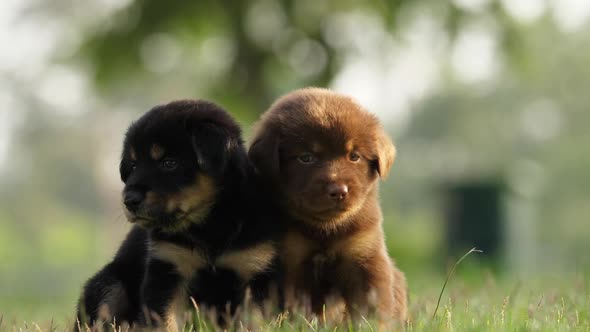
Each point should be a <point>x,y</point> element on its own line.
<point>306,158</point>
<point>132,165</point>
<point>169,164</point>
<point>355,156</point>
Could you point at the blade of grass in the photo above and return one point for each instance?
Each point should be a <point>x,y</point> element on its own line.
<point>37,327</point>
<point>449,277</point>
<point>198,313</point>
<point>368,323</point>
<point>308,323</point>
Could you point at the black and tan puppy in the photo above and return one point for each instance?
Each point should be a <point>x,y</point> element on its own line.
<point>199,231</point>
<point>323,154</point>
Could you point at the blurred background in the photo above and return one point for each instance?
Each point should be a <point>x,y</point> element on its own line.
<point>487,101</point>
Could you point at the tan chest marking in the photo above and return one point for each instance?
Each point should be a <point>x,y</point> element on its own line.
<point>187,261</point>
<point>358,246</point>
<point>296,248</point>
<point>247,262</point>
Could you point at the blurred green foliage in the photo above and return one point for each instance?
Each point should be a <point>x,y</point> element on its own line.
<point>252,43</point>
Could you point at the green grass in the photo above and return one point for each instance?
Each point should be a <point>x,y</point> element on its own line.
<point>522,306</point>
<point>472,301</point>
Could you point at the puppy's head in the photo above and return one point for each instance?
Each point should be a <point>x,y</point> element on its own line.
<point>323,152</point>
<point>174,159</point>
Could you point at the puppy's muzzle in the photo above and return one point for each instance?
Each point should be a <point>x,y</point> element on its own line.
<point>133,199</point>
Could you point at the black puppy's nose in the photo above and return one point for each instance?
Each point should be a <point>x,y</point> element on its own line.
<point>133,199</point>
<point>337,191</point>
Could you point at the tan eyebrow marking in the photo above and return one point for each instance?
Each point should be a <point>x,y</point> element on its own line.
<point>349,146</point>
<point>156,152</point>
<point>316,147</point>
<point>133,155</point>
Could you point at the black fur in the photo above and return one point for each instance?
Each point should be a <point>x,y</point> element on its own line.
<point>202,140</point>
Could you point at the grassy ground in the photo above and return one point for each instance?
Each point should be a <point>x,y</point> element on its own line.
<point>471,302</point>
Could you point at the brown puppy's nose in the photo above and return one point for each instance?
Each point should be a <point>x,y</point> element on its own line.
<point>337,191</point>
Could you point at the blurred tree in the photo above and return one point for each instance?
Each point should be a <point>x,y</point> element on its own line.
<point>245,53</point>
<point>528,130</point>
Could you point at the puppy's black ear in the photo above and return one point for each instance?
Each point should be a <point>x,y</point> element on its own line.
<point>212,145</point>
<point>264,152</point>
<point>386,153</point>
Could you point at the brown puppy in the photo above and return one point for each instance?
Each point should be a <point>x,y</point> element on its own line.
<point>323,154</point>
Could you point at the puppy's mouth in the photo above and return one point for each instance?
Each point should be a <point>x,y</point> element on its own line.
<point>319,212</point>
<point>156,217</point>
<point>145,217</point>
<point>331,210</point>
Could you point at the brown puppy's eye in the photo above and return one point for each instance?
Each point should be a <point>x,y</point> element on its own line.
<point>169,164</point>
<point>355,157</point>
<point>306,158</point>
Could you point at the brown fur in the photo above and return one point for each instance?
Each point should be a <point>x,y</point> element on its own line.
<point>334,250</point>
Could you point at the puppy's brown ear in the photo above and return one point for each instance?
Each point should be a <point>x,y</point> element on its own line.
<point>385,153</point>
<point>264,152</point>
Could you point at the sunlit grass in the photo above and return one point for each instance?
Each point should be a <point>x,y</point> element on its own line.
<point>488,303</point>
<point>42,298</point>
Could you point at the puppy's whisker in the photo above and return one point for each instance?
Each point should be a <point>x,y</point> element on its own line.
<point>121,218</point>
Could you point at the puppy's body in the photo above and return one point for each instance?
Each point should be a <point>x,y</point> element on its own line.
<point>199,230</point>
<point>323,155</point>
